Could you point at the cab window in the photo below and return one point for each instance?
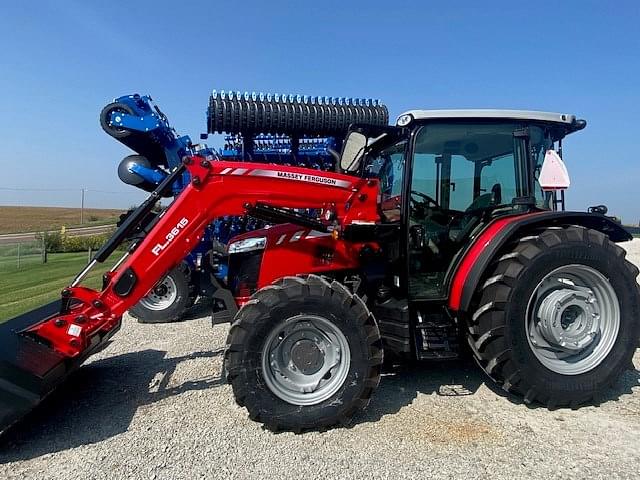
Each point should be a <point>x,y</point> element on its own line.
<point>387,165</point>
<point>499,171</point>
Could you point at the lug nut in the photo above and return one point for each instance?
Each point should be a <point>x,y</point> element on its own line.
<point>59,322</point>
<point>73,342</point>
<point>205,163</point>
<point>80,319</point>
<point>195,181</point>
<point>187,160</point>
<point>97,303</point>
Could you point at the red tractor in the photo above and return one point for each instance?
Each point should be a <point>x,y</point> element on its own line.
<point>436,236</point>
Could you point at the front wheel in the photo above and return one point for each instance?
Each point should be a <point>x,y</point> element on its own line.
<point>558,317</point>
<point>303,354</point>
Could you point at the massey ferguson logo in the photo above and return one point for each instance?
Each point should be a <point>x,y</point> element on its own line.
<point>307,178</point>
<point>175,231</point>
<point>300,177</point>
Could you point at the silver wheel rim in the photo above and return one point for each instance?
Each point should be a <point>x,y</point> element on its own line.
<point>161,296</point>
<point>305,360</point>
<point>573,319</point>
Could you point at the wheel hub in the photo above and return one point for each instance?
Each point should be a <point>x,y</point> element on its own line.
<point>573,319</point>
<point>569,318</point>
<point>305,360</point>
<point>307,357</point>
<point>161,290</point>
<point>162,296</point>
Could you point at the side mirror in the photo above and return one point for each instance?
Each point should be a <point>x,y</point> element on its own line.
<point>353,151</point>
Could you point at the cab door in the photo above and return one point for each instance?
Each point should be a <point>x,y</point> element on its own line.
<point>460,173</point>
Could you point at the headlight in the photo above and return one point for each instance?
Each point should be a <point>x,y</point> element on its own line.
<point>404,120</point>
<point>248,245</point>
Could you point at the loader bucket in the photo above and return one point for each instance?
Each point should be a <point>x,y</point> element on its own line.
<point>30,370</point>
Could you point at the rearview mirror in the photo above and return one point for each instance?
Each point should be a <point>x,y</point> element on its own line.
<point>352,152</point>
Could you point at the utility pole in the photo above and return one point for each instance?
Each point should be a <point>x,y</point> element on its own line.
<point>82,207</point>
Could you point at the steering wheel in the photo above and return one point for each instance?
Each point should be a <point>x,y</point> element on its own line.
<point>428,200</point>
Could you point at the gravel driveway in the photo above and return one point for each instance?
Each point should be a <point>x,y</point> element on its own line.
<point>153,405</point>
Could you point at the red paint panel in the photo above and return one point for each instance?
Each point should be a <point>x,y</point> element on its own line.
<point>470,259</point>
<point>308,255</point>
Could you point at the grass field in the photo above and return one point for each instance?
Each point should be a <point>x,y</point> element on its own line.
<point>37,284</point>
<point>37,219</point>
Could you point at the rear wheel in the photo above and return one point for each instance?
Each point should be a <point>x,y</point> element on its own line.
<point>168,301</point>
<point>558,317</point>
<point>303,354</point>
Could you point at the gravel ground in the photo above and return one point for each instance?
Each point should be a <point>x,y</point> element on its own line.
<point>153,405</point>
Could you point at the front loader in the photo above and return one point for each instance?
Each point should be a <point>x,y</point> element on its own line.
<point>304,131</point>
<point>442,233</point>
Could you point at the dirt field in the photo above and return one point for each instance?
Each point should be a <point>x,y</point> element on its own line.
<point>36,219</point>
<point>153,406</point>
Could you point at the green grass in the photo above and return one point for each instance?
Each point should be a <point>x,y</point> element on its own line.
<point>36,284</point>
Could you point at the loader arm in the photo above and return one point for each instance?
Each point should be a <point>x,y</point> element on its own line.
<point>216,189</point>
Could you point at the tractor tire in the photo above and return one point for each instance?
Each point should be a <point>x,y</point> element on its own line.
<point>558,317</point>
<point>168,301</point>
<point>303,354</point>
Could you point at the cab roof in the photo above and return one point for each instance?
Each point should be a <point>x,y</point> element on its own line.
<point>569,121</point>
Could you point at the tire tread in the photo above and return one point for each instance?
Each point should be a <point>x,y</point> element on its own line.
<point>486,325</point>
<point>297,288</point>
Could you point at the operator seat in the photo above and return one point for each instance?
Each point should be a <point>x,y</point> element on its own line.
<point>473,213</point>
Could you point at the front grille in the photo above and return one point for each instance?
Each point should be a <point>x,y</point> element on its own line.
<point>244,269</point>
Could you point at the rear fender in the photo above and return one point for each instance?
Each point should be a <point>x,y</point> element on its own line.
<point>489,242</point>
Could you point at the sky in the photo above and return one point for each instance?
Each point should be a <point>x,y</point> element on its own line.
<point>62,61</point>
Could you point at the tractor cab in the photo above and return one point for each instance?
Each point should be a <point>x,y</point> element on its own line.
<point>445,173</point>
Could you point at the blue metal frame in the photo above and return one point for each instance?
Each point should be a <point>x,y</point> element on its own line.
<point>149,120</point>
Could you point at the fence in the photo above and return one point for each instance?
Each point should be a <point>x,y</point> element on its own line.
<point>22,255</point>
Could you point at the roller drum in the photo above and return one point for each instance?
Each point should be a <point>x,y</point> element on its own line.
<point>233,112</point>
